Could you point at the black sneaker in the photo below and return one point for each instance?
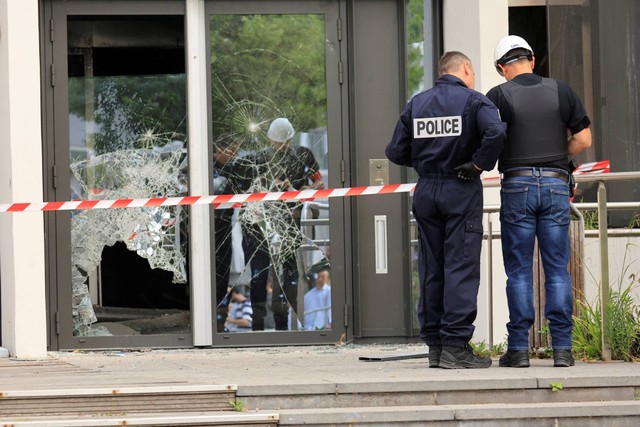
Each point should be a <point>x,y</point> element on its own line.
<point>514,359</point>
<point>563,358</point>
<point>434,356</point>
<point>457,358</point>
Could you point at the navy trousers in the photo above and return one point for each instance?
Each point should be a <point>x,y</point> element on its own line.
<point>448,213</point>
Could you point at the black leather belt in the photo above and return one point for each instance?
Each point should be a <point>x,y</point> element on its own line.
<point>529,172</point>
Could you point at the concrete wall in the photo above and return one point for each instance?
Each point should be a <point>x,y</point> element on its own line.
<point>21,235</point>
<point>474,27</point>
<point>624,266</point>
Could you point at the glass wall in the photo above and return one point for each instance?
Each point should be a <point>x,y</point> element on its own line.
<point>595,47</point>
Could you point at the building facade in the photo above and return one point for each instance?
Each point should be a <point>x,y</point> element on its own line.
<point>103,100</point>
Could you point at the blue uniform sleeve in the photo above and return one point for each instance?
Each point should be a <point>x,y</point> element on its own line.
<point>493,132</point>
<point>399,149</point>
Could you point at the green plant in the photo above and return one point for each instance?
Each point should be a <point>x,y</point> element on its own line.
<point>623,328</point>
<point>237,405</point>
<point>587,329</point>
<point>557,386</point>
<point>623,322</point>
<point>590,220</point>
<point>498,349</point>
<point>480,348</point>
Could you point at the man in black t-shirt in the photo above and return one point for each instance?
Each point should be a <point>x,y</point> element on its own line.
<point>535,195</point>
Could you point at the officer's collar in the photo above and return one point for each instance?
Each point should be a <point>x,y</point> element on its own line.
<point>450,79</point>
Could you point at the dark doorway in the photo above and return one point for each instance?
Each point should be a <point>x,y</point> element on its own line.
<point>530,23</point>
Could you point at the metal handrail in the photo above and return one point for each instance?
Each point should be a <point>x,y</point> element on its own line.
<point>602,207</point>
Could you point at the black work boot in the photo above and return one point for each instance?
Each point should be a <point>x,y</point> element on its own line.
<point>434,356</point>
<point>515,359</point>
<point>563,358</point>
<point>457,358</point>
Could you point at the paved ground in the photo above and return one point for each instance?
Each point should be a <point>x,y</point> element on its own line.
<point>315,366</point>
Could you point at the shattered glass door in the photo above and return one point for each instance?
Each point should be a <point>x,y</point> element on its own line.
<point>127,139</point>
<point>271,133</point>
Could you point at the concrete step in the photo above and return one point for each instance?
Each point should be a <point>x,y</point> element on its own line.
<point>106,401</point>
<point>564,414</point>
<point>222,418</point>
<point>436,392</point>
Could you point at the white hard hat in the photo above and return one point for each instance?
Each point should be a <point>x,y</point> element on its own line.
<point>280,130</point>
<point>506,45</point>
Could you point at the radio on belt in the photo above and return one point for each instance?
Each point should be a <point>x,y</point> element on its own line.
<point>434,127</point>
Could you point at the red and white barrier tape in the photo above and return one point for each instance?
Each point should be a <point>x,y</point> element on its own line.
<point>225,201</point>
<point>221,201</point>
<point>603,166</point>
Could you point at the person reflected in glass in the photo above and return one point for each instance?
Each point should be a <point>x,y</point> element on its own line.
<point>317,303</point>
<point>224,176</point>
<point>240,312</point>
<point>271,230</point>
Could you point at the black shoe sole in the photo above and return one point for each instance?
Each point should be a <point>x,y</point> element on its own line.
<point>445,364</point>
<point>563,364</point>
<point>434,364</point>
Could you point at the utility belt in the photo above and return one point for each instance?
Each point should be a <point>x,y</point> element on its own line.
<point>424,172</point>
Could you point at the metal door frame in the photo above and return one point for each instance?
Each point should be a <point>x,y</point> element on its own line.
<point>56,169</point>
<point>337,120</point>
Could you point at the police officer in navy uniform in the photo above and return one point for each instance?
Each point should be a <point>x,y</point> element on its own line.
<point>535,195</point>
<point>449,135</point>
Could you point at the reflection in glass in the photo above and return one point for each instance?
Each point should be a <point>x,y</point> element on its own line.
<point>127,138</point>
<point>269,106</point>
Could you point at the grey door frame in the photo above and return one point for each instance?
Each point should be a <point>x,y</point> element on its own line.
<point>56,170</point>
<point>378,92</point>
<point>337,107</point>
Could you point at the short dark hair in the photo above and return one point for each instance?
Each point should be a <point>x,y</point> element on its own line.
<point>452,61</point>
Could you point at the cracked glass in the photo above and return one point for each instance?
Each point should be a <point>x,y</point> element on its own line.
<point>127,139</point>
<point>269,121</point>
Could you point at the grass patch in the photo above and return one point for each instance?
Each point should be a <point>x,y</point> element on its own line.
<point>622,323</point>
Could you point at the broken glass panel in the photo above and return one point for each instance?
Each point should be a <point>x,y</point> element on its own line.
<point>272,258</point>
<point>127,138</point>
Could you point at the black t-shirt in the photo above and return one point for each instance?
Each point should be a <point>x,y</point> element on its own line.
<point>572,110</point>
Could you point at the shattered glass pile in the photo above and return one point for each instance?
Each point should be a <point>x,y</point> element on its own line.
<point>153,233</point>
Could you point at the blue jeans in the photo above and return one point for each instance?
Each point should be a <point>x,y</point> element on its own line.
<point>533,207</point>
